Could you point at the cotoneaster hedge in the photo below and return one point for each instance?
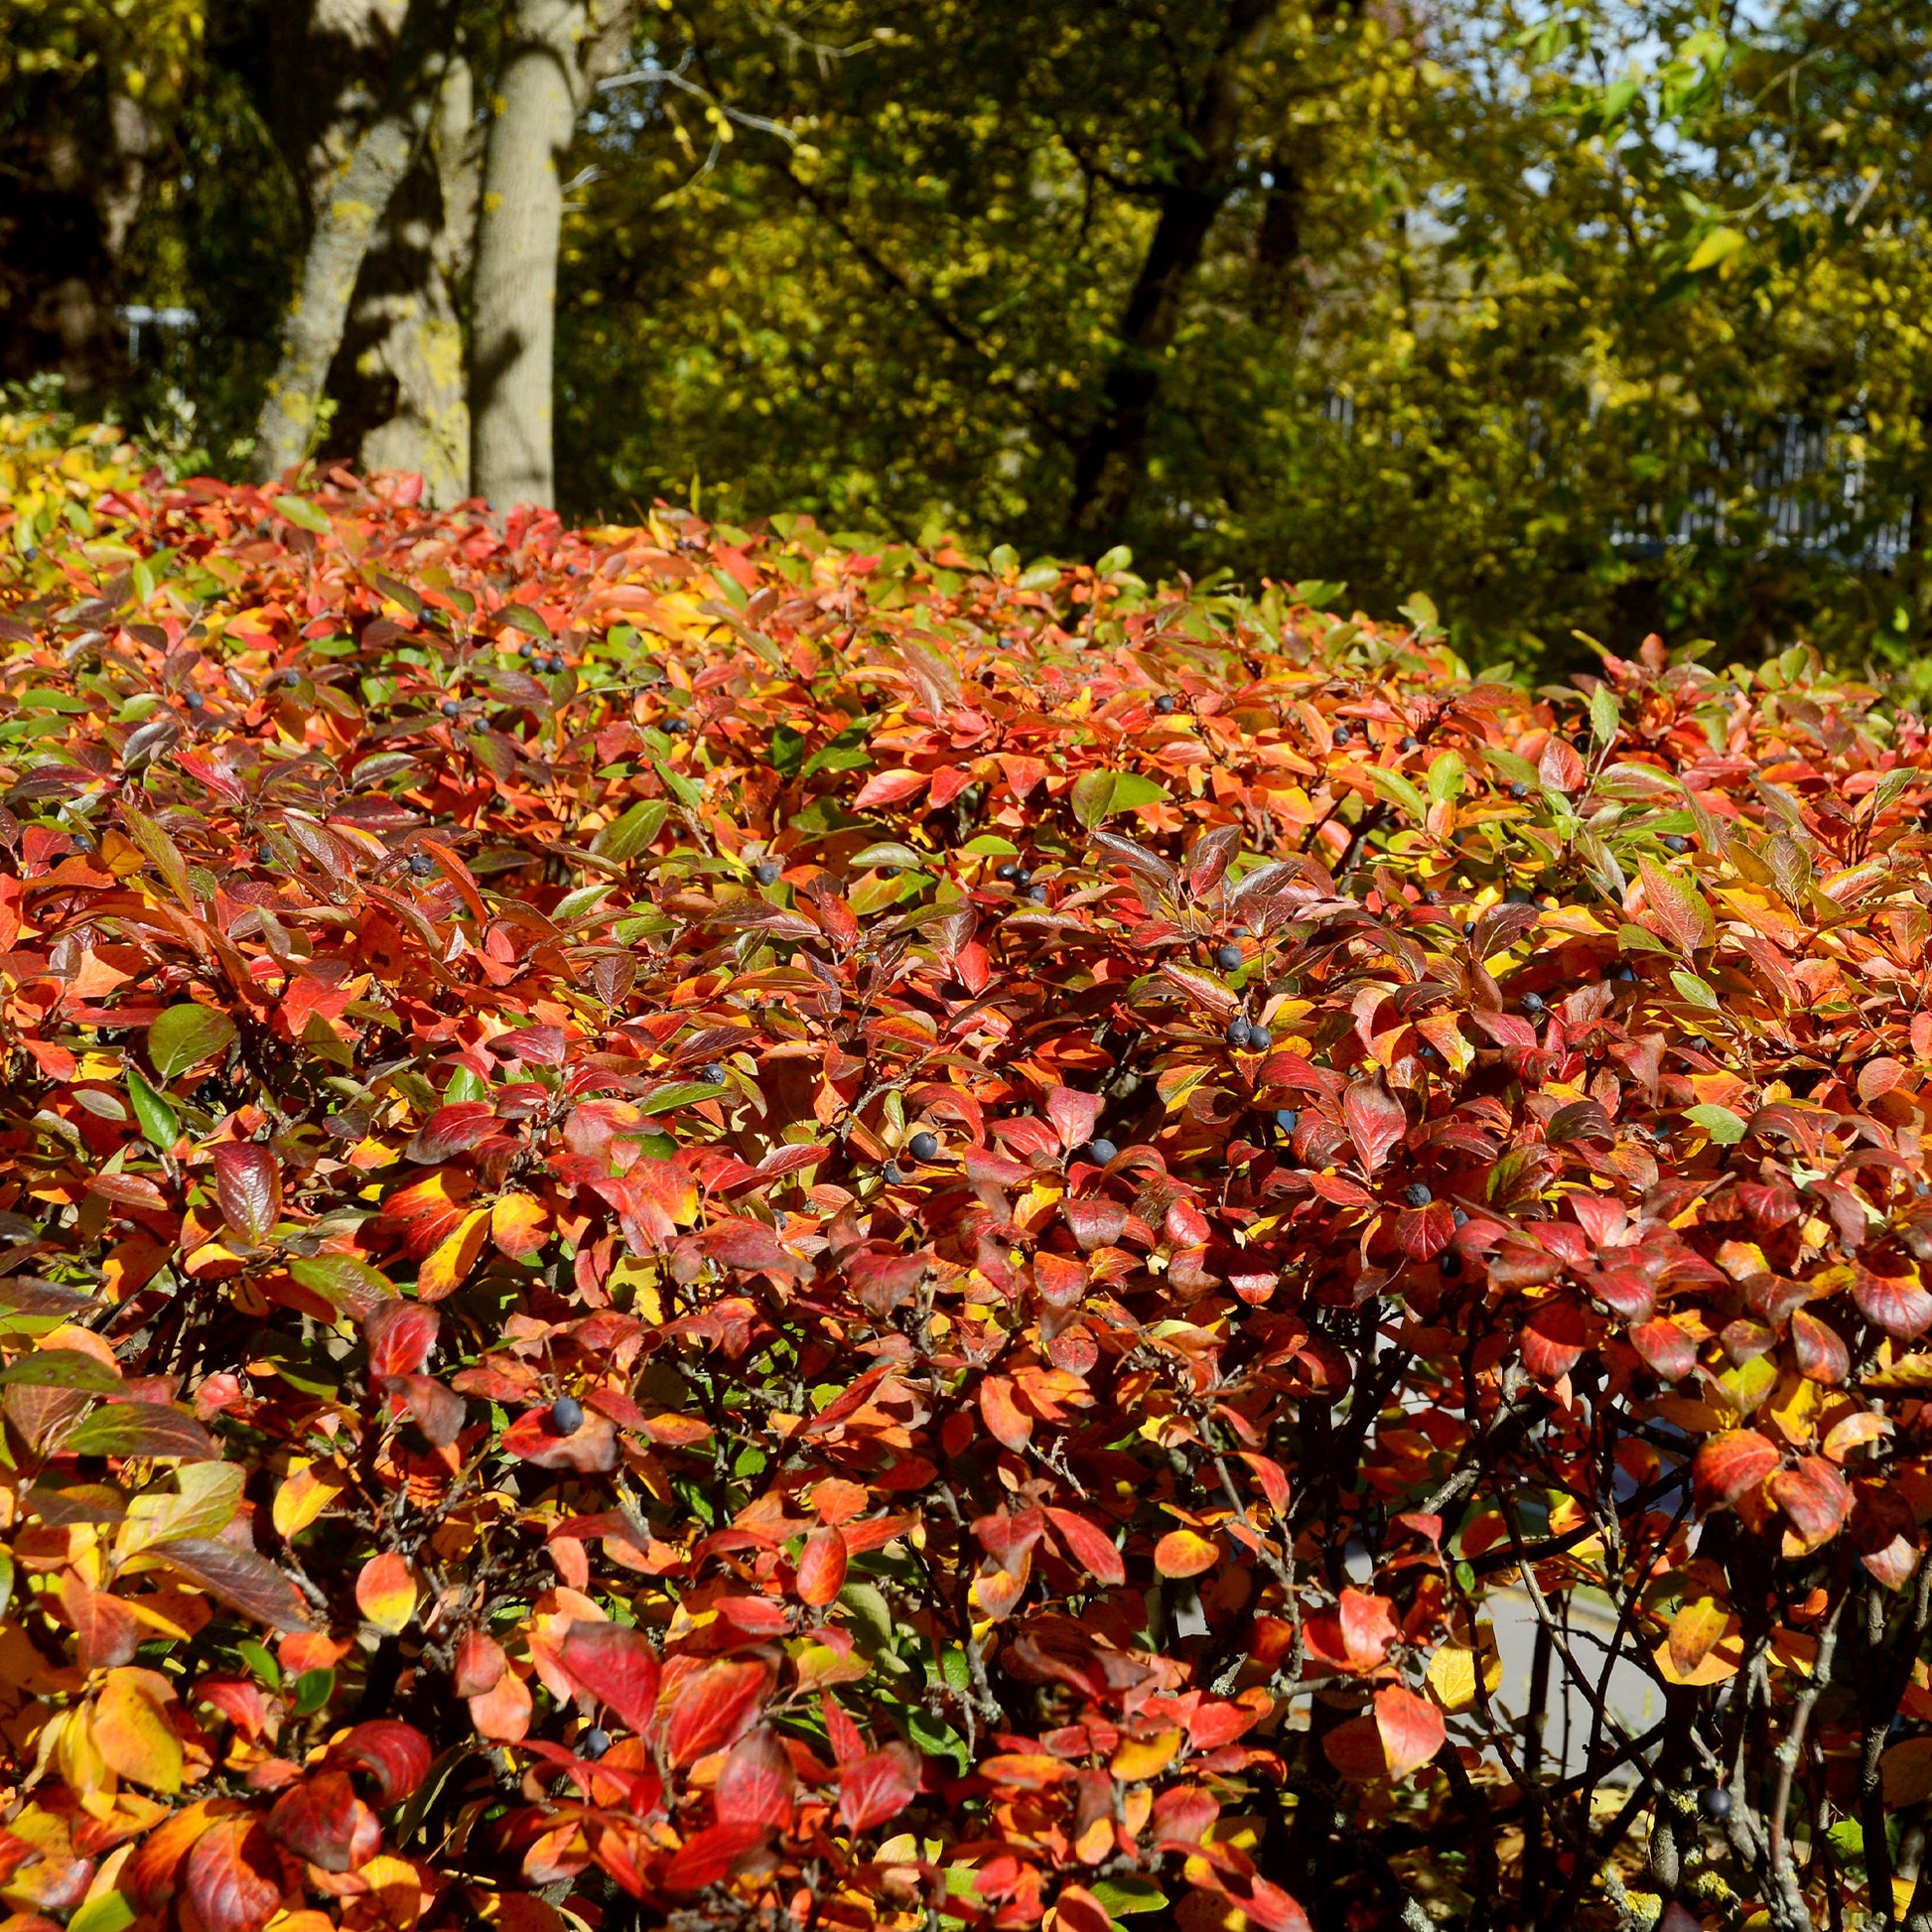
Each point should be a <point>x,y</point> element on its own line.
<point>735,1229</point>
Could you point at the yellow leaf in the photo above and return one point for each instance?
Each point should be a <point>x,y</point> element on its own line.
<point>132,1733</point>
<point>1698,1624</point>
<point>1714,250</point>
<point>1453,1670</point>
<point>309,1490</point>
<point>442,1274</point>
<point>386,1593</point>
<point>1144,1757</point>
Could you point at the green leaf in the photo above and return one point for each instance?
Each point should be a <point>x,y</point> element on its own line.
<point>311,516</point>
<point>623,838</point>
<point>1421,612</point>
<point>6,1580</point>
<point>162,849</point>
<point>889,851</point>
<point>312,1689</point>
<point>787,751</point>
<point>1723,1126</point>
<point>108,1911</point>
<point>1128,1891</point>
<point>1636,938</point>
<point>1120,557</point>
<point>519,617</point>
<point>1098,796</point>
<point>1603,715</point>
<point>186,1036</point>
<point>687,794</point>
<point>159,1126</point>
<point>681,1094</point>
<point>937,1739</point>
<point>61,1368</point>
<point>142,1428</point>
<point>1446,773</point>
<point>261,1660</point>
<point>345,1282</point>
<point>990,845</point>
<point>1696,990</point>
<point>1398,790</point>
<point>1317,593</point>
<point>846,753</point>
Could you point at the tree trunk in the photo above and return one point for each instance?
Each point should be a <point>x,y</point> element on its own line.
<point>399,376</point>
<point>557,51</point>
<point>357,168</point>
<point>1111,457</point>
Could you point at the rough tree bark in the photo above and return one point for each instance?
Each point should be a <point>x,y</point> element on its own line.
<point>1111,456</point>
<point>556,53</point>
<point>357,160</point>
<point>400,377</point>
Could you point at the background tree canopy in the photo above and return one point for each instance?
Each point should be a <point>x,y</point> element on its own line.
<point>1601,318</point>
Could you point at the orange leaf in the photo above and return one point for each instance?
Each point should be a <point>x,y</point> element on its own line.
<point>386,1593</point>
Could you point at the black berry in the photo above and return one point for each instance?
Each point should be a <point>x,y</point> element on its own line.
<point>925,1147</point>
<point>1259,1039</point>
<point>566,1415</point>
<point>195,701</point>
<point>675,725</point>
<point>1038,894</point>
<point>1519,789</point>
<point>421,864</point>
<point>450,709</point>
<point>1344,736</point>
<point>526,649</point>
<point>1418,1193</point>
<point>594,1743</point>
<point>892,1172</point>
<point>1673,843</point>
<point>1449,1266</point>
<point>1228,959</point>
<point>1237,1034</point>
<point>1008,871</point>
<point>264,855</point>
<point>1163,704</point>
<point>1533,1003</point>
<point>769,873</point>
<point>1457,1217</point>
<point>1432,897</point>
<point>1410,745</point>
<point>1714,1803</point>
<point>1101,1152</point>
<point>715,1073</point>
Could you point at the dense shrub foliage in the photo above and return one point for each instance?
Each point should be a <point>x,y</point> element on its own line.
<point>703,1226</point>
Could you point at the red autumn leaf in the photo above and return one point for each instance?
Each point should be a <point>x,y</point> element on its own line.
<point>1089,1546</point>
<point>401,1338</point>
<point>396,1754</point>
<point>233,1877</point>
<point>1375,1122</point>
<point>453,1129</point>
<point>756,1785</point>
<point>248,1187</point>
<point>1554,1339</point>
<point>618,1667</point>
<point>711,1707</point>
<point>1078,1910</point>
<point>1819,1349</point>
<point>1412,1728</point>
<point>1814,1498</point>
<point>822,1566</point>
<point>1073,1114</point>
<point>480,1663</point>
<point>711,1855</point>
<point>1667,1351</point>
<point>322,1819</point>
<point>878,1786</point>
<point>1000,1406</point>
<point>1729,1464</point>
<point>1894,1303</point>
<point>1368,1628</point>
